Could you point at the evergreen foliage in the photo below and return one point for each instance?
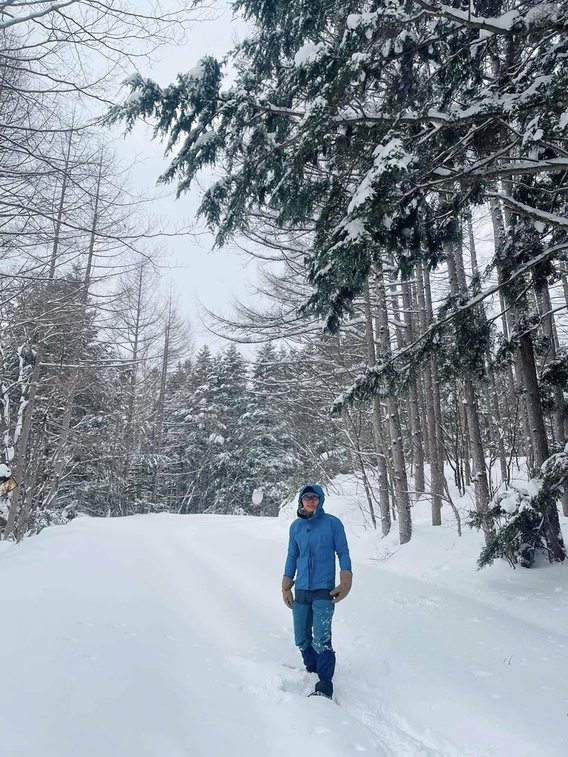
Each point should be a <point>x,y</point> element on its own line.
<point>518,518</point>
<point>377,124</point>
<point>230,430</point>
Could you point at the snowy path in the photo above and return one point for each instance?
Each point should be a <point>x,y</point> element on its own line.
<point>166,636</point>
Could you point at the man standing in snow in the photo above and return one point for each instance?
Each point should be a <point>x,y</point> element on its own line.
<point>315,539</point>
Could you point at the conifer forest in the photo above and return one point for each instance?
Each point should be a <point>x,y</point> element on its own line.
<point>398,169</point>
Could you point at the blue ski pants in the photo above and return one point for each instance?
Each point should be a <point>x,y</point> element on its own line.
<point>313,612</point>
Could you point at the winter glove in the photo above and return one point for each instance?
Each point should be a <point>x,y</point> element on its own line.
<point>344,586</point>
<point>287,595</point>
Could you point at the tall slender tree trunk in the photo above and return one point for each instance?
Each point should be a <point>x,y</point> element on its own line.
<point>434,430</point>
<point>159,422</point>
<point>565,282</point>
<point>414,407</point>
<point>478,455</point>
<point>509,324</point>
<point>93,231</point>
<point>534,407</point>
<point>61,207</point>
<point>62,441</point>
<point>549,330</point>
<point>399,462</point>
<point>540,444</point>
<point>496,410</point>
<point>378,437</point>
<point>472,245</point>
<point>354,449</point>
<point>130,441</point>
<point>26,411</point>
<point>466,449</point>
<point>457,286</point>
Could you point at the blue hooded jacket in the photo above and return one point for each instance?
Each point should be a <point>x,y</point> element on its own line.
<point>314,541</point>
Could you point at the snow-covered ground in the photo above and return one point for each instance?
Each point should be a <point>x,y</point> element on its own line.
<point>166,636</point>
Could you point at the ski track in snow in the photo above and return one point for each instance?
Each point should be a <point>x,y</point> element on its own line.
<point>166,636</point>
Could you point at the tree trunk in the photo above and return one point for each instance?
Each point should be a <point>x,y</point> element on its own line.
<point>549,330</point>
<point>129,438</point>
<point>509,324</point>
<point>540,444</point>
<point>355,446</point>
<point>458,285</point>
<point>478,456</point>
<point>414,408</point>
<point>472,246</point>
<point>21,445</point>
<point>60,208</point>
<point>494,400</point>
<point>380,450</point>
<point>466,449</point>
<point>534,407</point>
<point>159,421</point>
<point>62,441</point>
<point>399,463</point>
<point>436,470</point>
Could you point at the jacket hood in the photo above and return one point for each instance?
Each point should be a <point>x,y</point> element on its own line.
<point>319,491</point>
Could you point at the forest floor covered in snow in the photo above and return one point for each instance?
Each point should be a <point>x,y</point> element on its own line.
<point>166,636</point>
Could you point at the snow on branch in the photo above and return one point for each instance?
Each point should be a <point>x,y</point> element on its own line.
<point>532,212</point>
<point>505,170</point>
<point>36,14</point>
<point>474,114</point>
<point>510,22</point>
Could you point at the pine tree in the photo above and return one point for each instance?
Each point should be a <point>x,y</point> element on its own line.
<point>196,415</point>
<point>272,461</point>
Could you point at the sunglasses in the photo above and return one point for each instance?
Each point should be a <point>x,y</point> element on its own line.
<point>310,497</point>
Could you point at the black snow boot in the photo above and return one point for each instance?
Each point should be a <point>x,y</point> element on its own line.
<point>323,689</point>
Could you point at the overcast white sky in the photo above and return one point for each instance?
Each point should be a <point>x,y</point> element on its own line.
<point>199,274</point>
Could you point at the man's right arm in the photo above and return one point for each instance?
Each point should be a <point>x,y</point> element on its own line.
<point>287,595</point>
<point>289,571</point>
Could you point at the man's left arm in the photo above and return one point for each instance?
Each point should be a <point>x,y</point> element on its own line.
<point>345,571</point>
